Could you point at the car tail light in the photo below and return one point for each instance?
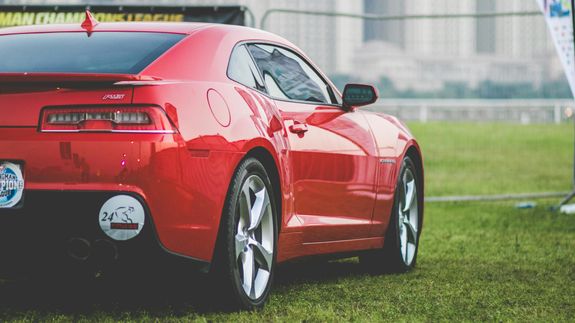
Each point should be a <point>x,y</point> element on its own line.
<point>106,119</point>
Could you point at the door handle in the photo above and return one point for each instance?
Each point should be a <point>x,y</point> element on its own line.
<point>298,128</point>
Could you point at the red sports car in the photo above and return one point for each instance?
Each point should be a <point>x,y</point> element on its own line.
<point>218,145</point>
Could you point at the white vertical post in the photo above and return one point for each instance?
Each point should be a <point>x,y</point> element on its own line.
<point>557,113</point>
<point>423,111</point>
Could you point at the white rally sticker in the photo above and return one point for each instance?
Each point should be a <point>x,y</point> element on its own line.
<point>11,184</point>
<point>122,217</point>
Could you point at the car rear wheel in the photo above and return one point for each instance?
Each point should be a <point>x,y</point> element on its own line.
<point>248,237</point>
<point>399,253</point>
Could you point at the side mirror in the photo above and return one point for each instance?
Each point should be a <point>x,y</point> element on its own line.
<point>356,95</point>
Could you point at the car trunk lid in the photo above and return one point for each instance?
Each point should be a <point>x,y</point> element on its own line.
<point>23,95</point>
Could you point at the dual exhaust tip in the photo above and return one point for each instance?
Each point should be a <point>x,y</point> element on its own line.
<point>121,217</point>
<point>100,250</point>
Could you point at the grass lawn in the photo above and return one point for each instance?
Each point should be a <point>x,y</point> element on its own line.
<point>471,159</point>
<point>479,261</point>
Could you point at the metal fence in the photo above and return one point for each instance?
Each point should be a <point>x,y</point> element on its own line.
<point>468,49</point>
<point>521,111</point>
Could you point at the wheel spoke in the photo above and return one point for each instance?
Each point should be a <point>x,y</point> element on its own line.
<point>260,207</point>
<point>402,196</point>
<point>262,256</point>
<point>248,267</point>
<point>403,239</point>
<point>260,282</point>
<point>410,252</point>
<point>410,230</point>
<point>241,243</point>
<point>406,251</point>
<point>245,207</point>
<point>409,195</point>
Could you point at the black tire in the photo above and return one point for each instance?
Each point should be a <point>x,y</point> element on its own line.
<point>390,258</point>
<point>226,268</point>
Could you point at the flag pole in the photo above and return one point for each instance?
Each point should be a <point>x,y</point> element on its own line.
<point>572,194</point>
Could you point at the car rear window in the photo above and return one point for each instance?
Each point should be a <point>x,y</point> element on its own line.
<point>78,52</point>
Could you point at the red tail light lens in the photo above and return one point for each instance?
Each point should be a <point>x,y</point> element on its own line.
<point>106,119</point>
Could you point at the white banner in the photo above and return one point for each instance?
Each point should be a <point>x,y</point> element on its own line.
<point>559,17</point>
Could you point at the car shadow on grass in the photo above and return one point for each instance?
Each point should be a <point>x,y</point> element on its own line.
<point>167,295</point>
<point>317,270</point>
<point>155,295</point>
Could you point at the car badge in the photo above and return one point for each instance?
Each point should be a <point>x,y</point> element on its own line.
<point>113,97</point>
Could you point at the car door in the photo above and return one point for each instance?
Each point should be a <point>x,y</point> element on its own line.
<point>331,150</point>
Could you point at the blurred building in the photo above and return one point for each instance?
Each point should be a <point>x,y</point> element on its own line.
<point>425,54</point>
<point>330,42</point>
<point>387,31</point>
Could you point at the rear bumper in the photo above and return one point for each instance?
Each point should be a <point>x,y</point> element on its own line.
<point>48,229</point>
<point>183,193</point>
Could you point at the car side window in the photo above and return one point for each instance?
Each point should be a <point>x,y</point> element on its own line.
<point>287,76</point>
<point>242,69</point>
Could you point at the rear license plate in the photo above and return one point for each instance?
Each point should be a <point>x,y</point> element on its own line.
<point>11,184</point>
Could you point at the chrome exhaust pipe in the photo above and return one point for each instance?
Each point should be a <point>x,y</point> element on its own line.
<point>105,250</point>
<point>79,249</point>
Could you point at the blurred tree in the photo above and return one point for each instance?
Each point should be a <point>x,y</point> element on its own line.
<point>386,88</point>
<point>340,80</point>
<point>558,89</point>
<point>455,90</point>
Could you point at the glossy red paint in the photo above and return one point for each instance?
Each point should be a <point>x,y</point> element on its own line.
<point>335,192</point>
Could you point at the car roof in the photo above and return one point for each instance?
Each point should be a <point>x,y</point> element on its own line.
<point>186,28</point>
<point>162,27</point>
<point>232,33</point>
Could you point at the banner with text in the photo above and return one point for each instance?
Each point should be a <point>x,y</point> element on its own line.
<point>559,17</point>
<point>39,15</point>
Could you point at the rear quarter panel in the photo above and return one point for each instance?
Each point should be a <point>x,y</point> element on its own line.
<point>209,152</point>
<point>211,149</point>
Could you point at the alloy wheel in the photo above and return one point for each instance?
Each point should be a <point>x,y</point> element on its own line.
<point>408,217</point>
<point>254,239</point>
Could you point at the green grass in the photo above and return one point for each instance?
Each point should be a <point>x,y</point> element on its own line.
<point>470,159</point>
<point>478,261</point>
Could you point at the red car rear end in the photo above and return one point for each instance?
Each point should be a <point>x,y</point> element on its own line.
<point>95,165</point>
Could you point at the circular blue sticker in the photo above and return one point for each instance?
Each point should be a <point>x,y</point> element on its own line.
<point>11,184</point>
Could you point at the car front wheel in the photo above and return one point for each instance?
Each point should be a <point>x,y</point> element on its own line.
<point>399,253</point>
